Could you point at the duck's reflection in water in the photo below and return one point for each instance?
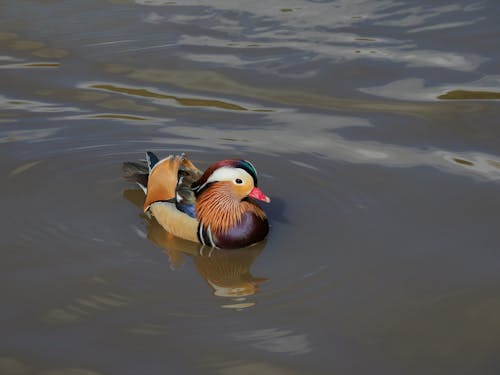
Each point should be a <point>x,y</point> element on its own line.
<point>227,272</point>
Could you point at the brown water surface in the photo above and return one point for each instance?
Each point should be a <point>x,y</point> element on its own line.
<point>384,251</point>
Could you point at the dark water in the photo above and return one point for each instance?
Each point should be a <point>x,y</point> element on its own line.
<point>383,257</point>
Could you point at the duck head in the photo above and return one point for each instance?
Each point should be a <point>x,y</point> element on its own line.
<point>233,178</point>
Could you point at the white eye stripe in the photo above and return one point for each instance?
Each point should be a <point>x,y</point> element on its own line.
<point>228,174</point>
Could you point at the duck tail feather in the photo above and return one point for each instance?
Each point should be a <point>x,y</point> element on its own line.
<point>136,172</point>
<point>152,160</point>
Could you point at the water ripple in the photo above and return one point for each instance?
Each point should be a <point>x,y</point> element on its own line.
<point>306,31</point>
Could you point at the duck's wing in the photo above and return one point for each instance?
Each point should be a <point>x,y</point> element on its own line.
<point>163,178</point>
<point>185,199</point>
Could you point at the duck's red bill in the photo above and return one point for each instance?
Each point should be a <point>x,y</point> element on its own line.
<point>258,194</point>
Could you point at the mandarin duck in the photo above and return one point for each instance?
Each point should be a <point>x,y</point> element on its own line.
<point>215,208</point>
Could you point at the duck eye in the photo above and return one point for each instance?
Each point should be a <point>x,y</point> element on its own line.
<point>238,181</point>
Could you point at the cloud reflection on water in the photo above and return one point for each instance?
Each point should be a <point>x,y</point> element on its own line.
<point>312,133</point>
<point>288,130</point>
<point>400,53</point>
<point>21,105</point>
<point>415,89</point>
<point>308,31</point>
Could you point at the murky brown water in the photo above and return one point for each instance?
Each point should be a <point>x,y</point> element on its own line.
<point>375,130</point>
